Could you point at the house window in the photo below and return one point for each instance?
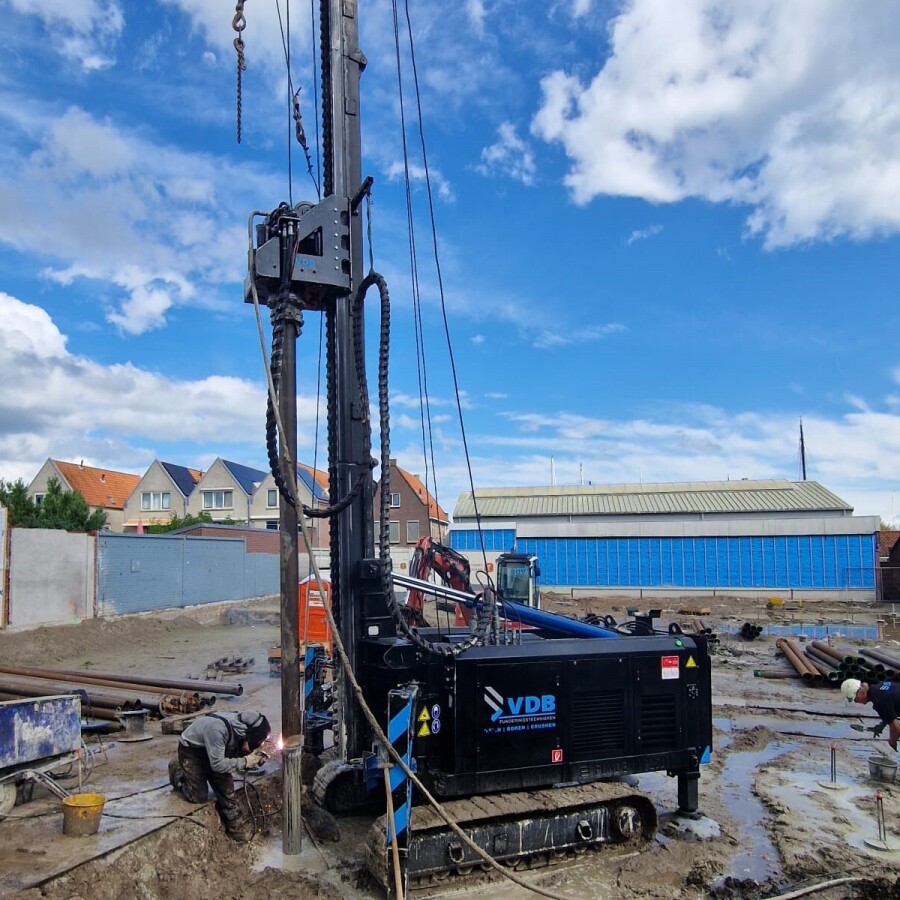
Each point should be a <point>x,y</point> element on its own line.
<point>395,532</point>
<point>395,500</point>
<point>218,499</point>
<point>272,498</point>
<point>156,500</point>
<point>38,499</point>
<point>272,525</point>
<point>412,531</point>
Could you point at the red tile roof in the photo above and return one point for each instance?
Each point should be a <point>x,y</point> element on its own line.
<point>886,542</point>
<point>434,509</point>
<point>321,477</point>
<point>101,488</point>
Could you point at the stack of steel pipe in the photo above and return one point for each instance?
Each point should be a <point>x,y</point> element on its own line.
<point>884,665</point>
<point>804,668</point>
<point>750,632</point>
<point>104,703</point>
<point>119,690</point>
<point>842,664</point>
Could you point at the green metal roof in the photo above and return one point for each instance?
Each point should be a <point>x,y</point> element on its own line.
<point>691,498</point>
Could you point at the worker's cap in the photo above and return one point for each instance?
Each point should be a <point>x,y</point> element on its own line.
<point>850,687</point>
<point>258,728</point>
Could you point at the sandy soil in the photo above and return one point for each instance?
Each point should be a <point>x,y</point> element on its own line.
<point>781,827</point>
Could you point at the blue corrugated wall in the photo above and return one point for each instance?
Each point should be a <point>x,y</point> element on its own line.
<point>139,573</point>
<point>807,561</point>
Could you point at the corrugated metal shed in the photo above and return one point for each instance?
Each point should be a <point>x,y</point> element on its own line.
<point>669,499</point>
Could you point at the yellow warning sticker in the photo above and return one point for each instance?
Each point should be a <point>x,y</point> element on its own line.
<point>423,716</point>
<point>690,664</point>
<point>424,730</point>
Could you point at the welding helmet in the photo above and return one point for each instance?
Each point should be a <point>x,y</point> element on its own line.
<point>258,728</point>
<point>849,689</point>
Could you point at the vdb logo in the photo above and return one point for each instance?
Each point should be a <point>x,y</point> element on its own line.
<point>516,707</point>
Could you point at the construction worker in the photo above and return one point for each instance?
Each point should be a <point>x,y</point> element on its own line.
<point>885,699</point>
<point>211,749</point>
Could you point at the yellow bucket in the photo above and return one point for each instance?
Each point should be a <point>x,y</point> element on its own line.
<point>81,814</point>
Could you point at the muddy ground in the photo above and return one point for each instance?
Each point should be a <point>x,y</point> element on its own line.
<point>780,827</point>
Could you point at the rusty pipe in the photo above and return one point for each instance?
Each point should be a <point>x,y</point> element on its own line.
<point>157,685</point>
<point>817,655</point>
<point>43,688</point>
<point>108,715</point>
<point>839,655</point>
<point>804,669</point>
<point>881,656</point>
<point>828,673</point>
<point>70,676</point>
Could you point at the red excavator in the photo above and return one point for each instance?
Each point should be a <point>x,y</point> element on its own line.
<point>517,575</point>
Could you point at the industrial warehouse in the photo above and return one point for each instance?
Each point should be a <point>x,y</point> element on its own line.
<point>757,537</point>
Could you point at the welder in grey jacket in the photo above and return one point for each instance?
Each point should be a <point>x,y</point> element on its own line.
<point>211,749</point>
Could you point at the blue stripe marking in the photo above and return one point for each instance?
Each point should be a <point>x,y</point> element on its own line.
<point>399,725</point>
<point>401,819</point>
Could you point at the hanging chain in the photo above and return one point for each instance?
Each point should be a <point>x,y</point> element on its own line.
<point>239,23</point>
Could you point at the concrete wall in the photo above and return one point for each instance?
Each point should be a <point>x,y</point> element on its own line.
<point>51,576</point>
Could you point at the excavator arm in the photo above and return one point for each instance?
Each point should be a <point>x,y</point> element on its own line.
<point>451,567</point>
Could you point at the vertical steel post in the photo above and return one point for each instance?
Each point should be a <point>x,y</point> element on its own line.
<point>292,830</point>
<point>352,535</point>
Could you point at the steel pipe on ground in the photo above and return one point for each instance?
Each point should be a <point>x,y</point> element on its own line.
<point>839,655</point>
<point>95,712</point>
<point>157,685</point>
<point>804,669</point>
<point>826,660</point>
<point>881,656</point>
<point>30,687</point>
<point>833,676</point>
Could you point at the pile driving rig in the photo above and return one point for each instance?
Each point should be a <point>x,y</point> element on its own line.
<point>521,733</point>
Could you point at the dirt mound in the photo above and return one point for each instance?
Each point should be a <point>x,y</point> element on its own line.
<point>188,859</point>
<point>91,637</point>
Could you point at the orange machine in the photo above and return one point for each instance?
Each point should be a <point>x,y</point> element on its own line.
<point>311,612</point>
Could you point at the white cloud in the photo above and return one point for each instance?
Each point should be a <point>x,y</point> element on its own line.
<point>127,213</point>
<point>791,108</point>
<point>82,30</point>
<point>477,339</point>
<point>643,233</point>
<point>509,156</point>
<point>395,171</point>
<point>551,339</point>
<point>71,407</point>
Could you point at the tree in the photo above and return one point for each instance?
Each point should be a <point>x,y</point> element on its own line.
<point>66,510</point>
<point>22,511</point>
<point>176,522</point>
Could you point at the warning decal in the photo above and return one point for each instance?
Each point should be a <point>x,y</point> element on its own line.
<point>690,664</point>
<point>423,716</point>
<point>669,667</point>
<point>424,730</point>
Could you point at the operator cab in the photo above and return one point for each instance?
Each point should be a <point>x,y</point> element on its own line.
<point>517,579</point>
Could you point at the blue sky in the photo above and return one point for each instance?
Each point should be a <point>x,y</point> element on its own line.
<point>667,231</point>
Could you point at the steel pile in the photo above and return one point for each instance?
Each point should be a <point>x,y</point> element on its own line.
<point>750,632</point>
<point>103,696</point>
<point>801,664</point>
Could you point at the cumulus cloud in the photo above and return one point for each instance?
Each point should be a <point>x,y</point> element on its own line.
<point>62,405</point>
<point>86,31</point>
<point>417,173</point>
<point>552,339</point>
<point>789,108</point>
<point>127,212</point>
<point>509,156</point>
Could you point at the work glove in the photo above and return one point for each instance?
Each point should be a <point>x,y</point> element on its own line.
<point>254,759</point>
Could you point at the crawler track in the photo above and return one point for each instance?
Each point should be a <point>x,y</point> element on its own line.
<point>523,830</point>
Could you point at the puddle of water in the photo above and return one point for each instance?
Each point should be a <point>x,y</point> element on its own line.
<point>817,632</point>
<point>811,801</point>
<point>759,859</point>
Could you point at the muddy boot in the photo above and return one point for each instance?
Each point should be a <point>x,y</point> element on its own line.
<point>241,834</point>
<point>176,774</point>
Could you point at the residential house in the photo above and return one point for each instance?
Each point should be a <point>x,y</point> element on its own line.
<point>103,489</point>
<point>163,492</point>
<point>226,491</point>
<point>312,486</point>
<point>889,565</point>
<point>414,512</point>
